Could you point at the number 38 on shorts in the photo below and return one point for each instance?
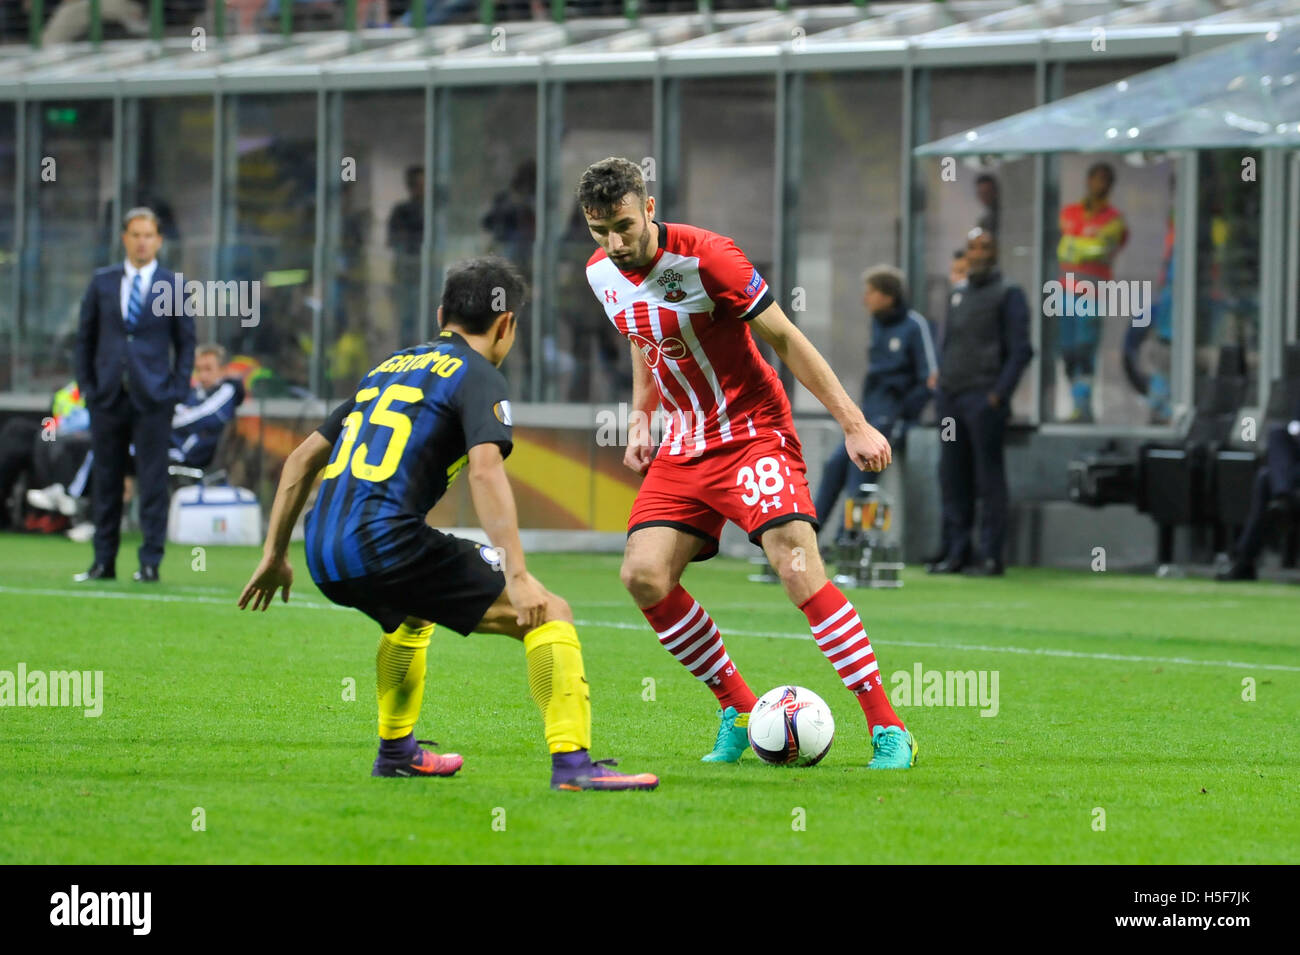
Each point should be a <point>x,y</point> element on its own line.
<point>755,484</point>
<point>770,486</point>
<point>762,480</point>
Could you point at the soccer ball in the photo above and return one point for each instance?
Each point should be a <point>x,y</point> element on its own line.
<point>791,726</point>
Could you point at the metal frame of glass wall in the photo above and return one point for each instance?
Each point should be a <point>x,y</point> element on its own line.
<point>666,71</point>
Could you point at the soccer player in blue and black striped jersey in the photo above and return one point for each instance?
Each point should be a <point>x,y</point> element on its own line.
<point>385,457</point>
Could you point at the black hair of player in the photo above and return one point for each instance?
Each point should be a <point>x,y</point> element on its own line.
<point>604,184</point>
<point>476,291</point>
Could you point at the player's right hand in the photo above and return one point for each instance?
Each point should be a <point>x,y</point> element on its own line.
<point>638,455</point>
<point>528,597</point>
<point>270,576</point>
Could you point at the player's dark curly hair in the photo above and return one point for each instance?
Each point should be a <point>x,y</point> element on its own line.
<point>476,291</point>
<point>604,184</point>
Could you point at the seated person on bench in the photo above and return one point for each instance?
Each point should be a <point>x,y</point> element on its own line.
<point>197,425</point>
<point>200,420</point>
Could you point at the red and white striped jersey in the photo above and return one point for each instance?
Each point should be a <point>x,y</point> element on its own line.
<point>688,311</point>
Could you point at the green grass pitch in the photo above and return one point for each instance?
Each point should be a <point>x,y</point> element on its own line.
<point>1121,702</point>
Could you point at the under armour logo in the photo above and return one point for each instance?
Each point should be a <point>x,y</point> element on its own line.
<point>774,503</point>
<point>611,295</point>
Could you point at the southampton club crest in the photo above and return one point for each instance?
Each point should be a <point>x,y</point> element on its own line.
<point>672,285</point>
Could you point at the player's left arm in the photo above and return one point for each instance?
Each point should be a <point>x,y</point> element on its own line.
<point>210,414</point>
<point>867,447</point>
<point>925,370</point>
<point>1017,351</point>
<point>183,341</point>
<point>1103,245</point>
<point>1114,235</point>
<point>296,479</point>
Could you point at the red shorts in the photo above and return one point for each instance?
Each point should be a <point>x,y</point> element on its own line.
<point>755,483</point>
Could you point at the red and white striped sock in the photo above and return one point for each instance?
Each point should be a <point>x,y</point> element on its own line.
<point>841,637</point>
<point>688,632</point>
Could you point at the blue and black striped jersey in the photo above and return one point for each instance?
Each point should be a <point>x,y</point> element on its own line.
<point>398,443</point>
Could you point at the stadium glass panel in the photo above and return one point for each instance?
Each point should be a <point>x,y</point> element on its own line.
<point>168,167</point>
<point>727,174</point>
<point>848,214</point>
<point>727,165</point>
<point>70,232</point>
<point>1131,367</point>
<point>1227,269</point>
<point>8,243</point>
<point>269,224</point>
<point>957,199</point>
<point>588,360</point>
<point>374,231</point>
<point>485,194</point>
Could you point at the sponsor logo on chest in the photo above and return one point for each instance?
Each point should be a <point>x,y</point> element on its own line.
<point>672,348</point>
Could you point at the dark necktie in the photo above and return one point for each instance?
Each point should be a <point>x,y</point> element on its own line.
<point>135,305</point>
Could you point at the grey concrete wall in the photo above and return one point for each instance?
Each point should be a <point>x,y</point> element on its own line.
<point>1045,528</point>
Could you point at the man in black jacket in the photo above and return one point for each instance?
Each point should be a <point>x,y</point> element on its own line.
<point>985,351</point>
<point>135,353</point>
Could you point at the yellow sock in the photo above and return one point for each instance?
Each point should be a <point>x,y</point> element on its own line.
<point>400,666</point>
<point>559,686</point>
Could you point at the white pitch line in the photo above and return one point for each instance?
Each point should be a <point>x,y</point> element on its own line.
<point>623,625</point>
<point>230,601</point>
<point>979,648</point>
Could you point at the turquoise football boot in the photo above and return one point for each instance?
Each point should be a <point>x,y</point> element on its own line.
<point>893,748</point>
<point>733,737</point>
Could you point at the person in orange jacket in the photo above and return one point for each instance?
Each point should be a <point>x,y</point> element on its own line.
<point>1092,233</point>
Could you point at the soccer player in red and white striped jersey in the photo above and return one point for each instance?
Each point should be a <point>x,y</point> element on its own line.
<point>687,300</point>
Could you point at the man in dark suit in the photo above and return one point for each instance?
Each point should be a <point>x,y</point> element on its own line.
<point>985,350</point>
<point>135,352</point>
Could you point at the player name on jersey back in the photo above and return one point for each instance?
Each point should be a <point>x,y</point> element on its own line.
<point>398,444</point>
<point>443,364</point>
